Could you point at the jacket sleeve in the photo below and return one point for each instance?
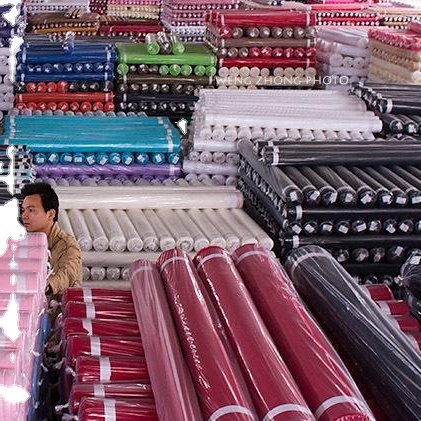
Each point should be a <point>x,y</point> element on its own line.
<point>67,271</point>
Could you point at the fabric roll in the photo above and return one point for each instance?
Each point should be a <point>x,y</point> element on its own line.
<point>398,396</point>
<point>330,395</point>
<point>219,395</point>
<point>270,383</point>
<point>175,397</point>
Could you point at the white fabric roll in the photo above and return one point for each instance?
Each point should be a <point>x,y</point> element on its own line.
<point>134,242</point>
<point>212,168</point>
<point>115,235</point>
<point>80,229</point>
<point>64,222</point>
<point>231,238</point>
<point>213,235</point>
<point>243,234</point>
<point>100,240</point>
<point>112,273</point>
<point>98,273</point>
<point>166,241</point>
<point>199,238</point>
<point>144,229</point>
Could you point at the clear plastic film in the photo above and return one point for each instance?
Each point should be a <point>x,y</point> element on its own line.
<point>101,346</point>
<point>218,381</point>
<point>326,384</point>
<point>124,391</point>
<point>111,369</point>
<point>96,409</point>
<point>272,387</point>
<point>387,361</point>
<point>175,397</point>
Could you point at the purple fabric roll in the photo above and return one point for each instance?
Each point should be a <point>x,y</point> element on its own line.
<point>166,170</point>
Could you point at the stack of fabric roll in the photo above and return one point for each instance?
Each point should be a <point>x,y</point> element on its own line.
<point>23,264</point>
<point>135,29</point>
<point>396,17</point>
<point>58,23</point>
<point>398,106</point>
<point>342,56</point>
<point>395,55</point>
<point>250,381</point>
<point>162,76</point>
<point>348,14</point>
<point>16,170</point>
<point>78,146</point>
<point>98,6</point>
<point>134,9</point>
<point>65,76</point>
<point>104,366</point>
<point>34,7</point>
<point>187,18</point>
<point>140,222</point>
<point>263,47</point>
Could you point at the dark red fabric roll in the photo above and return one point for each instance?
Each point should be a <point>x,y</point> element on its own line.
<point>98,327</point>
<point>393,307</point>
<point>124,391</point>
<point>91,295</point>
<point>220,387</point>
<point>272,387</point>
<point>406,323</point>
<point>94,409</point>
<point>378,292</point>
<point>318,370</point>
<point>111,369</point>
<point>106,346</point>
<point>100,310</point>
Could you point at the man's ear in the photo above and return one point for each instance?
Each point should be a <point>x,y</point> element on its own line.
<point>51,214</point>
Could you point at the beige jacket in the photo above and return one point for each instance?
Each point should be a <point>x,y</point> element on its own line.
<point>65,260</point>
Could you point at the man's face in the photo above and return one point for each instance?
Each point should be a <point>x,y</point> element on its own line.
<point>34,217</point>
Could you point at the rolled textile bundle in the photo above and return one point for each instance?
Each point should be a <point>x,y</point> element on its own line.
<point>168,371</point>
<point>124,410</point>
<point>80,229</point>
<point>100,310</point>
<point>269,381</point>
<point>123,391</point>
<point>332,284</point>
<point>330,395</point>
<point>100,241</point>
<point>219,395</point>
<point>166,239</point>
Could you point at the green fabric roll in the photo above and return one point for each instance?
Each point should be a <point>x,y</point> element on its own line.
<point>194,54</point>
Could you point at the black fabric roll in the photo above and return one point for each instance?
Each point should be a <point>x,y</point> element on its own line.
<point>328,194</point>
<point>386,359</point>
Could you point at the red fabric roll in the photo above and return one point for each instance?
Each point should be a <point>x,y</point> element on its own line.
<point>393,307</point>
<point>98,327</point>
<point>272,387</point>
<point>220,387</point>
<point>91,295</point>
<point>106,346</point>
<point>406,323</point>
<point>111,369</point>
<point>122,391</point>
<point>318,370</point>
<point>378,292</point>
<point>100,310</point>
<point>269,63</point>
<point>68,97</point>
<point>94,409</point>
<point>175,395</point>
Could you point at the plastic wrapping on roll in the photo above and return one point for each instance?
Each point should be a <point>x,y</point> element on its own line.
<point>331,394</point>
<point>111,369</point>
<point>410,274</point>
<point>105,346</point>
<point>269,381</point>
<point>365,332</point>
<point>122,410</point>
<point>220,387</point>
<point>124,391</point>
<point>100,310</point>
<point>175,397</point>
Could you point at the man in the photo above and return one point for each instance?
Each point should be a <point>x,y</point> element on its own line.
<point>39,214</point>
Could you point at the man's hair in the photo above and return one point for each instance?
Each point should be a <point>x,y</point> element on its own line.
<point>49,198</point>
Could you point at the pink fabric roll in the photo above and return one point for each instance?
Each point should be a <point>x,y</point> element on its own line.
<point>272,387</point>
<point>220,387</point>
<point>318,370</point>
<point>175,396</point>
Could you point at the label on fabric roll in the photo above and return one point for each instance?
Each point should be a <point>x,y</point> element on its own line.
<point>230,409</point>
<point>87,295</point>
<point>211,256</point>
<point>109,410</point>
<point>416,199</point>
<point>99,390</point>
<point>389,106</point>
<point>400,200</point>
<point>337,400</point>
<point>295,241</point>
<point>104,369</point>
<point>276,159</point>
<point>87,325</point>
<point>90,310</point>
<point>289,407</point>
<point>95,346</point>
